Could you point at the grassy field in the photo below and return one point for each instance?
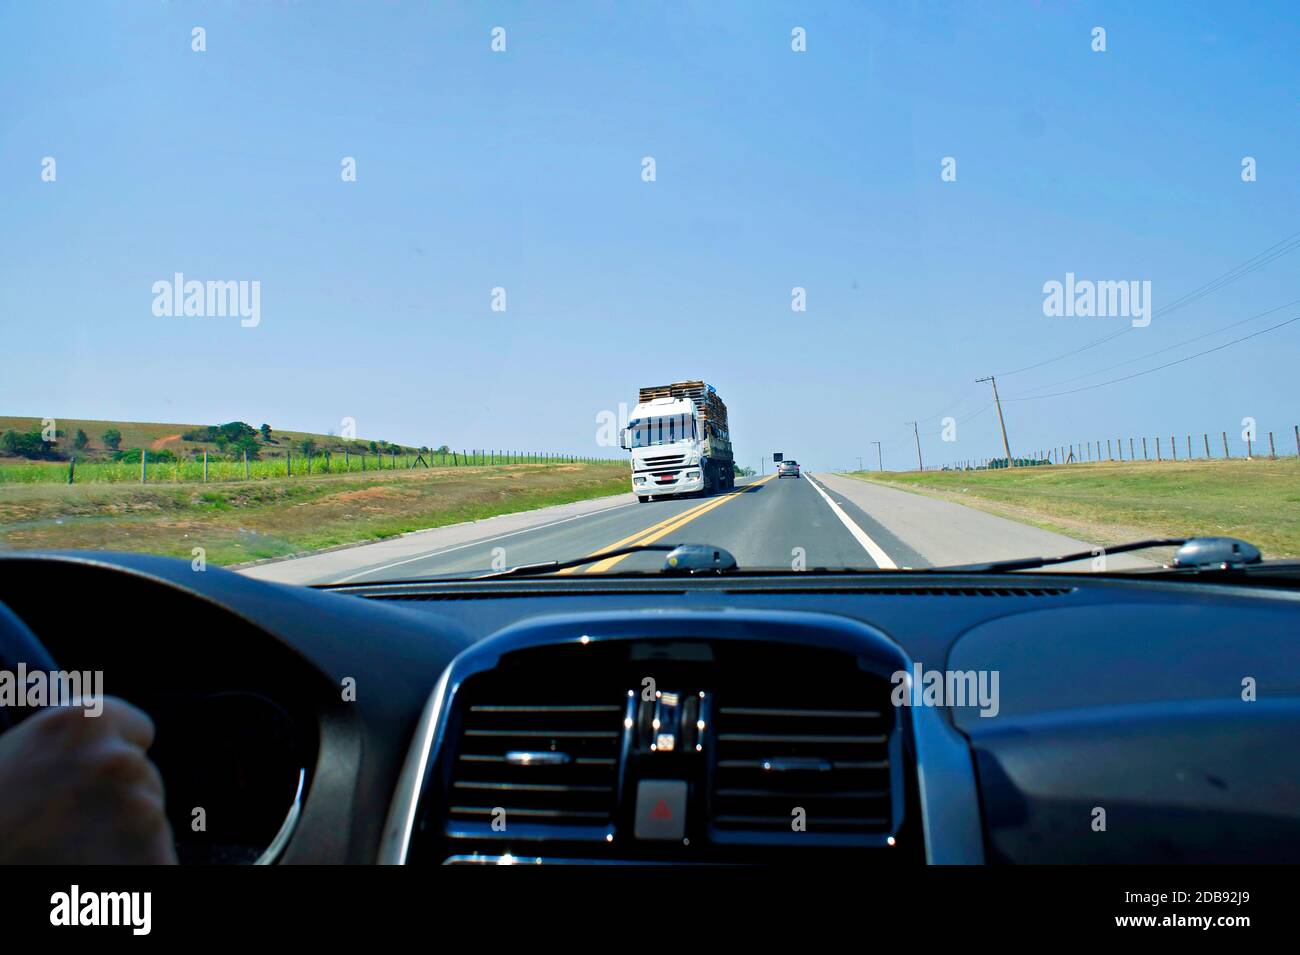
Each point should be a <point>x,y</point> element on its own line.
<point>1111,502</point>
<point>238,522</point>
<point>275,457</point>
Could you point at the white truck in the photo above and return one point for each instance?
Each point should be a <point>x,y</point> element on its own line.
<point>679,441</point>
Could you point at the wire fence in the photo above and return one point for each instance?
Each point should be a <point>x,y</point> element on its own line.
<point>204,468</point>
<point>1159,448</point>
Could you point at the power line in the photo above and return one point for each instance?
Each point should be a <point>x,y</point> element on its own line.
<point>1161,351</point>
<point>1254,263</point>
<point>1170,364</point>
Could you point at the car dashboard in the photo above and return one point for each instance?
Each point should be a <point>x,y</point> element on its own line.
<point>875,720</point>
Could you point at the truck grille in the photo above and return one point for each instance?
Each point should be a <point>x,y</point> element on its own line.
<point>664,461</point>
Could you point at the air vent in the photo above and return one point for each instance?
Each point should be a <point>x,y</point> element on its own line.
<point>823,765</point>
<point>528,763</point>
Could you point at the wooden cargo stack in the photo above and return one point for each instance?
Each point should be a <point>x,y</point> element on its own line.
<point>711,407</point>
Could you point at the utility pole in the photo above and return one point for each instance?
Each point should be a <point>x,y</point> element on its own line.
<point>920,465</point>
<point>881,464</point>
<point>1006,445</point>
<point>859,462</point>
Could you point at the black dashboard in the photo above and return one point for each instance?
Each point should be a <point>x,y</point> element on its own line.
<point>706,719</point>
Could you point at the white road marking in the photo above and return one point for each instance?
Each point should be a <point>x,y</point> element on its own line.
<point>474,543</point>
<point>882,559</point>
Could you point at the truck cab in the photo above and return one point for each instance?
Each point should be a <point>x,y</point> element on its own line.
<point>676,450</point>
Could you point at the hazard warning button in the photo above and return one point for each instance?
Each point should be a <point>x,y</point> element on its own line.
<point>660,809</point>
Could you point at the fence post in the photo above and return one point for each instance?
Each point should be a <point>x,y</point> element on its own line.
<point>1157,447</point>
<point>72,469</point>
<point>1272,453</point>
<point>1144,448</point>
<point>205,467</point>
<point>1173,448</point>
<point>1131,455</point>
<point>347,460</point>
<point>1226,453</point>
<point>1189,447</point>
<point>1206,436</point>
<point>245,465</point>
<point>1250,450</point>
<point>288,463</point>
<point>327,462</point>
<point>144,467</point>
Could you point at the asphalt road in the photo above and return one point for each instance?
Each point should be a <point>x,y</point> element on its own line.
<point>789,523</point>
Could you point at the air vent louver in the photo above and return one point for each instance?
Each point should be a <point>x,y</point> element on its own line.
<point>542,762</point>
<point>832,761</point>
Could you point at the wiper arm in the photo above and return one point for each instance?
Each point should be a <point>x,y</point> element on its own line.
<point>682,558</point>
<point>1194,553</point>
<point>550,566</point>
<point>1028,563</point>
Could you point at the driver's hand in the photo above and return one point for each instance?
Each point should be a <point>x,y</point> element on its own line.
<point>80,790</point>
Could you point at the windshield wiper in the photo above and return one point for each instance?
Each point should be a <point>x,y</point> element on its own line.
<point>681,559</point>
<point>1194,553</point>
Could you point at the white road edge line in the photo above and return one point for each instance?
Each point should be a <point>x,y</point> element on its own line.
<point>882,559</point>
<point>474,543</point>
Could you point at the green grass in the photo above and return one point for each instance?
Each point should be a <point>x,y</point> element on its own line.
<point>94,464</point>
<point>117,472</point>
<point>241,521</point>
<point>1107,503</point>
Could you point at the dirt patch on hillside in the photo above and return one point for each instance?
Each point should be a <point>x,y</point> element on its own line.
<point>365,494</point>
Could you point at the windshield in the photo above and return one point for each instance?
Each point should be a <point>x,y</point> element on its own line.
<point>1011,279</point>
<point>649,432</point>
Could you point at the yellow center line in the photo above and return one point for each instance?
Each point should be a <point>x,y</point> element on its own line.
<point>664,528</point>
<point>641,533</point>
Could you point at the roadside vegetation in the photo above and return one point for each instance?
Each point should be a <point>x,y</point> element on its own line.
<point>1108,503</point>
<point>237,522</point>
<point>94,452</point>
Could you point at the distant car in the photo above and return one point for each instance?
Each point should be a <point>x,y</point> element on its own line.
<point>787,469</point>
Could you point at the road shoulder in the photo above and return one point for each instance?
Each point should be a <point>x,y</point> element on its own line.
<point>337,564</point>
<point>946,532</point>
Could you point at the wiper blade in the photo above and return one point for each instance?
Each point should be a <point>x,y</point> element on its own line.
<point>1194,553</point>
<point>550,566</point>
<point>682,559</point>
<point>1029,563</point>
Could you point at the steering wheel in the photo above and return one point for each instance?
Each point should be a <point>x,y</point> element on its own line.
<point>19,645</point>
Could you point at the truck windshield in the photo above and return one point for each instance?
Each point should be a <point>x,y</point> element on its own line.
<point>667,429</point>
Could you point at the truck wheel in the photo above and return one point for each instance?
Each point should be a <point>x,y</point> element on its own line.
<point>642,498</point>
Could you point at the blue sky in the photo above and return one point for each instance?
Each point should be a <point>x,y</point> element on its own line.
<point>522,169</point>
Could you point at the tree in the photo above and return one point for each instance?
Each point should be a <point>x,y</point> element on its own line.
<point>307,446</point>
<point>266,432</point>
<point>81,441</point>
<point>374,448</point>
<point>246,445</point>
<point>112,439</point>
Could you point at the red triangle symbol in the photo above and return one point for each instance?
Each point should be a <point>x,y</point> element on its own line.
<point>661,810</point>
